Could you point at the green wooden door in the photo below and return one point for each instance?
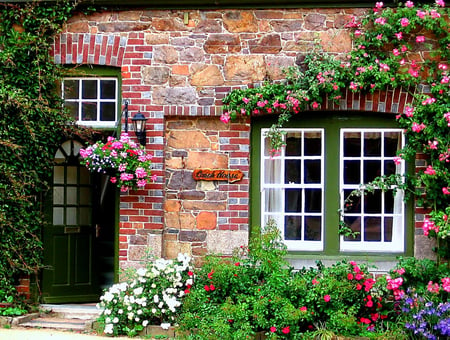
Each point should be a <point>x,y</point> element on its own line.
<point>69,240</point>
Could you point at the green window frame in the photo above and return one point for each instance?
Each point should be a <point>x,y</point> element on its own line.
<point>327,159</point>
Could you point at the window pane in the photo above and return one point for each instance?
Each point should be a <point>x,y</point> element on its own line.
<point>293,227</point>
<point>392,142</point>
<point>293,200</point>
<point>58,216</point>
<point>372,229</point>
<point>313,144</point>
<point>85,216</point>
<point>354,223</point>
<point>58,174</point>
<point>58,195</point>
<point>372,144</point>
<point>71,216</point>
<point>313,228</point>
<point>372,169</point>
<point>71,175</point>
<point>312,171</point>
<point>352,144</point>
<point>89,111</point>
<point>72,109</point>
<point>293,144</point>
<point>107,112</point>
<point>273,200</point>
<point>272,171</point>
<point>85,176</point>
<point>293,174</point>
<point>89,89</point>
<point>85,196</point>
<point>388,229</point>
<point>108,89</point>
<point>390,168</point>
<point>71,195</point>
<point>372,202</point>
<point>353,204</point>
<point>71,89</point>
<point>352,172</point>
<point>313,200</point>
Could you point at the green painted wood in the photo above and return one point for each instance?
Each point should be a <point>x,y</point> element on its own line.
<point>331,122</point>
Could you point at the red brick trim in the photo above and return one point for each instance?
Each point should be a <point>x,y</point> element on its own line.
<point>86,48</point>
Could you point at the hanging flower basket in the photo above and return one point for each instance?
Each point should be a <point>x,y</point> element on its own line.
<point>127,164</point>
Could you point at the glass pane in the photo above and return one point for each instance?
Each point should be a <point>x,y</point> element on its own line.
<point>352,172</point>
<point>89,90</point>
<point>67,147</point>
<point>293,228</point>
<point>77,146</point>
<point>273,200</point>
<point>272,171</point>
<point>372,229</point>
<point>89,111</point>
<point>354,223</point>
<point>372,144</point>
<point>85,176</point>
<point>392,142</point>
<point>372,169</point>
<point>353,205</point>
<point>107,112</point>
<point>71,195</point>
<point>72,175</point>
<point>389,168</point>
<point>293,200</point>
<point>352,144</point>
<point>85,196</point>
<point>372,202</point>
<point>59,156</point>
<point>313,200</point>
<point>58,175</point>
<point>313,144</point>
<point>267,147</point>
<point>388,229</point>
<point>58,216</point>
<point>313,228</point>
<point>388,202</point>
<point>58,195</point>
<point>71,89</point>
<point>85,216</point>
<point>293,144</point>
<point>72,109</point>
<point>108,89</point>
<point>293,167</point>
<point>312,171</point>
<point>71,216</point>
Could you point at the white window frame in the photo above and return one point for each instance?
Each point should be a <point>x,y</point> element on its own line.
<point>94,123</point>
<point>279,216</point>
<point>397,245</point>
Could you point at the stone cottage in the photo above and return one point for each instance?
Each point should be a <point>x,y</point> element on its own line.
<point>174,63</point>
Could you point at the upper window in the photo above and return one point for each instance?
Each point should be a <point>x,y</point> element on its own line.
<point>305,187</point>
<point>92,101</point>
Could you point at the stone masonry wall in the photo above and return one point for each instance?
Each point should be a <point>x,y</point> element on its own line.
<point>176,72</point>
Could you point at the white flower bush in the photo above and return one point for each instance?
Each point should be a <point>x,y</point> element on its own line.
<point>151,296</point>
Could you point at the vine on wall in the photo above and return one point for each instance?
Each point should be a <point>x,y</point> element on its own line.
<point>32,124</point>
<point>407,47</point>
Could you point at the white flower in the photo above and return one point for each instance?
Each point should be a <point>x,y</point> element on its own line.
<point>154,310</point>
<point>120,311</point>
<point>141,271</point>
<point>136,319</point>
<point>145,323</point>
<point>156,299</point>
<point>153,285</point>
<point>109,328</point>
<point>107,312</point>
<point>130,315</point>
<point>139,311</point>
<point>115,320</point>
<point>165,325</point>
<point>129,308</point>
<point>108,320</point>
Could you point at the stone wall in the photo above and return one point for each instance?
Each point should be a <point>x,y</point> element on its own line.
<point>176,66</point>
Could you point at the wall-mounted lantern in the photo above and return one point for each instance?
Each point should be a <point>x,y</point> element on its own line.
<point>139,121</point>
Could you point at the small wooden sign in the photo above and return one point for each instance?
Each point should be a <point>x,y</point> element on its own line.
<point>217,175</point>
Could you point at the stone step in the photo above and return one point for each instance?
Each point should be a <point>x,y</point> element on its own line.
<point>72,311</point>
<point>58,323</point>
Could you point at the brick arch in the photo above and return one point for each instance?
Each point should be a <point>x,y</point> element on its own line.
<point>389,100</point>
<point>86,48</point>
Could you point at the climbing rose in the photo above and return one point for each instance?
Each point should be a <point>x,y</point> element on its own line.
<point>327,298</point>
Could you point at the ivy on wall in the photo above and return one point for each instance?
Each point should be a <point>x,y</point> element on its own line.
<point>408,47</point>
<point>32,124</point>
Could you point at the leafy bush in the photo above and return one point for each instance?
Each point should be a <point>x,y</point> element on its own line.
<point>151,296</point>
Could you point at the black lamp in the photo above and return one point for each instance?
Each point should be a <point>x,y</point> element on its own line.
<point>139,128</point>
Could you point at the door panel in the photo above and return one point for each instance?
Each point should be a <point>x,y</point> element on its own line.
<point>69,242</point>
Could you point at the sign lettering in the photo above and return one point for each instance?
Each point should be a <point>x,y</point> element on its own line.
<point>217,175</point>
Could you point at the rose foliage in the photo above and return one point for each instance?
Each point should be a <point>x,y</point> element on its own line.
<point>408,47</point>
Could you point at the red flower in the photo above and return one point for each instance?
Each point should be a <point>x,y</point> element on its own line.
<point>206,288</point>
<point>303,309</point>
<point>210,274</point>
<point>349,276</point>
<point>327,298</point>
<point>237,264</point>
<point>314,282</point>
<point>190,273</point>
<point>273,329</point>
<point>285,330</point>
<point>211,287</point>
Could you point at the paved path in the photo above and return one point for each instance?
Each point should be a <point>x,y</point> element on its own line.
<point>21,333</point>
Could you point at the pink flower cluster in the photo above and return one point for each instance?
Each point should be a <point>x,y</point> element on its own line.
<point>429,225</point>
<point>435,287</point>
<point>394,285</point>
